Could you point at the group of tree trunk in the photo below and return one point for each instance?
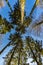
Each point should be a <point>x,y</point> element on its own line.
<point>23,46</point>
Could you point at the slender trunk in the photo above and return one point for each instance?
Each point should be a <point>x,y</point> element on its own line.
<point>40,60</point>
<point>5,47</point>
<point>19,55</point>
<point>33,55</point>
<point>12,55</point>
<point>19,59</point>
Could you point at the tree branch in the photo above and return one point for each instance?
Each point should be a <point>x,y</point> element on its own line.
<point>9,5</point>
<point>12,55</point>
<point>5,47</point>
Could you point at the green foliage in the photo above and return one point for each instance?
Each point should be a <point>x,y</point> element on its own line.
<point>21,48</point>
<point>36,49</point>
<point>5,26</point>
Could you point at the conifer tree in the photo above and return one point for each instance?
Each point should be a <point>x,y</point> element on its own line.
<point>21,47</point>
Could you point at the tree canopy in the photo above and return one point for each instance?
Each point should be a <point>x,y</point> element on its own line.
<point>23,46</point>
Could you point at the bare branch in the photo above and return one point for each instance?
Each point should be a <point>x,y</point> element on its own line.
<point>9,5</point>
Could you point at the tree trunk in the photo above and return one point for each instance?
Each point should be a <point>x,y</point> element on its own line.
<point>19,59</point>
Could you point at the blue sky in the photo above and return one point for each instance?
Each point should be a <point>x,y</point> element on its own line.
<point>4,12</point>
